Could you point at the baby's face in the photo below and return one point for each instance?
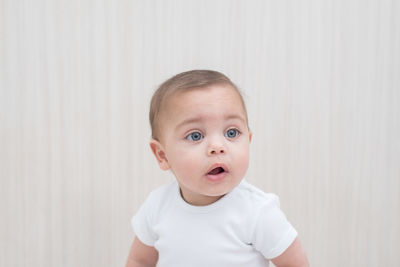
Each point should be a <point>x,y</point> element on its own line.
<point>205,142</point>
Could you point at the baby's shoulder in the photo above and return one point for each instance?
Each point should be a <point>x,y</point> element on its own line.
<point>159,198</point>
<point>255,198</point>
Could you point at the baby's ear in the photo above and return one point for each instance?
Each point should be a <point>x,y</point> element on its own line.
<point>159,153</point>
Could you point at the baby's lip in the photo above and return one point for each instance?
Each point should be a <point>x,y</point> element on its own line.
<point>217,165</point>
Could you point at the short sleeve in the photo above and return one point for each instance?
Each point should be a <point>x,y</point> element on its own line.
<point>273,233</point>
<point>142,223</point>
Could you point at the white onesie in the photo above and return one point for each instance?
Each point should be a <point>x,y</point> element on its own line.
<point>244,228</point>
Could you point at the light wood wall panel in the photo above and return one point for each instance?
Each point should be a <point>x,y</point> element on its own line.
<point>321,80</point>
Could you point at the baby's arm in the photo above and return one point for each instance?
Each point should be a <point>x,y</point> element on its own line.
<point>141,255</point>
<point>293,256</point>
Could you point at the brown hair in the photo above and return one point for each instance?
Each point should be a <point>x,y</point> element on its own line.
<point>184,81</point>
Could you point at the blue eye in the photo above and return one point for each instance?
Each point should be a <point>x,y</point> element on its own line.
<point>195,136</point>
<point>231,133</point>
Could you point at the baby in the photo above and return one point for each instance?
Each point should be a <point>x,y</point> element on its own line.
<point>210,216</point>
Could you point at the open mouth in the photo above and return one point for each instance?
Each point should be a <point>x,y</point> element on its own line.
<point>216,171</point>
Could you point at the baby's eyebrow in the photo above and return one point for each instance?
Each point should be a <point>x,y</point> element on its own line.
<point>200,119</point>
<point>236,117</point>
<point>188,121</point>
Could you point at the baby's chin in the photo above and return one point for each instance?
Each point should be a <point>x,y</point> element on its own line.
<point>220,192</point>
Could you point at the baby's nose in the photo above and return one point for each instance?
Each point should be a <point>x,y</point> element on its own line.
<point>216,150</point>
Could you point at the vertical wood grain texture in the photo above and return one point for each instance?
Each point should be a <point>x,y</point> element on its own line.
<point>321,80</point>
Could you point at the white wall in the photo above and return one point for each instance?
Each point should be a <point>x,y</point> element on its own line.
<point>322,85</point>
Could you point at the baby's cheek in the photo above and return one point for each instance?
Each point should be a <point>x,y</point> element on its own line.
<point>242,160</point>
<point>187,163</point>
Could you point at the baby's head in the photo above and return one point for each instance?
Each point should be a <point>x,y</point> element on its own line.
<point>200,132</point>
<point>185,81</point>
